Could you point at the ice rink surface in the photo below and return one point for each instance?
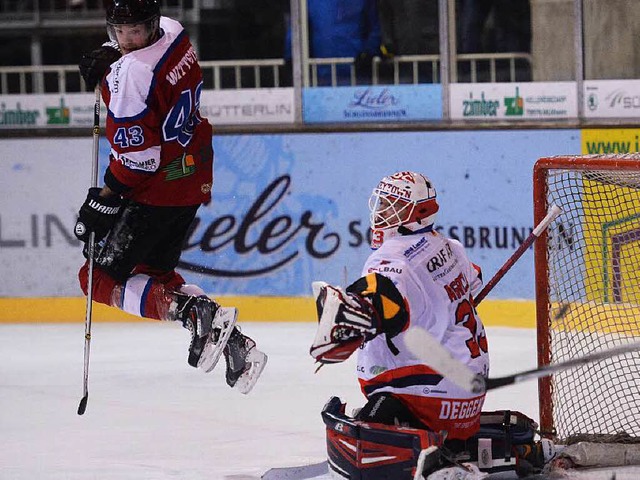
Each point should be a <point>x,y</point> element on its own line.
<point>152,417</point>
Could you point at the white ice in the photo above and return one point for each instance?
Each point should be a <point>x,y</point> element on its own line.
<point>151,416</point>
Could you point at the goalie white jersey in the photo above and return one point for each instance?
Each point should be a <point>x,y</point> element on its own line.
<point>438,282</point>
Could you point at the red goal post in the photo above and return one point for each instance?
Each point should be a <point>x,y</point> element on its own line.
<point>587,270</point>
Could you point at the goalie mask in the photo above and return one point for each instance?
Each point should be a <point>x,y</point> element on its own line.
<point>133,24</point>
<point>401,203</point>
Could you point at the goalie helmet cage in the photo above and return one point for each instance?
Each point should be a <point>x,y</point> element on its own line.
<point>587,268</point>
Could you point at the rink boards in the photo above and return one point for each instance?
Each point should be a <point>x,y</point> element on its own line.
<point>288,209</point>
<point>506,313</point>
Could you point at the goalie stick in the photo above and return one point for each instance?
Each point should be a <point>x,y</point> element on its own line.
<point>91,245</point>
<point>553,212</point>
<point>427,348</point>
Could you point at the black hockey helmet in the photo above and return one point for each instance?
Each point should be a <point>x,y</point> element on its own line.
<point>122,12</point>
<point>133,12</point>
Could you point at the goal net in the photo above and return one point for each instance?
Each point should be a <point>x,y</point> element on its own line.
<point>588,295</point>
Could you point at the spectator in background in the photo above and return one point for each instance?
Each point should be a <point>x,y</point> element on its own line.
<point>409,27</point>
<point>338,29</point>
<point>495,26</point>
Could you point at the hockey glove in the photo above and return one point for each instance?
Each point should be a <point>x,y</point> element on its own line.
<point>345,321</point>
<point>97,214</point>
<point>95,64</point>
<point>385,299</point>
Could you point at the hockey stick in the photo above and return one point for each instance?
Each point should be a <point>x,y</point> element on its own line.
<point>298,472</point>
<point>553,212</point>
<point>422,344</point>
<point>91,245</point>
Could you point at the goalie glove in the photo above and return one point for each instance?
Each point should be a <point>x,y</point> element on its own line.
<point>345,321</point>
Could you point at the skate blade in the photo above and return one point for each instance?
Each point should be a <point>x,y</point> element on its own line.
<point>249,378</point>
<point>225,319</point>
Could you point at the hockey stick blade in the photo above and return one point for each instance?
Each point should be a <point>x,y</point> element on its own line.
<point>297,473</point>
<point>83,404</point>
<point>424,346</point>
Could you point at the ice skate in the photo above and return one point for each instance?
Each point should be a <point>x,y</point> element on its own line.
<point>210,326</point>
<point>224,322</point>
<point>244,362</point>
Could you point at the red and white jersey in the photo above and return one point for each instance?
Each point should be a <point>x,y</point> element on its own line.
<point>438,282</point>
<point>161,149</point>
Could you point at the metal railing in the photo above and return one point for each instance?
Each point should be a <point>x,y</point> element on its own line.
<point>414,69</point>
<point>273,73</point>
<point>217,75</point>
<point>40,79</point>
<point>419,67</point>
<point>494,61</point>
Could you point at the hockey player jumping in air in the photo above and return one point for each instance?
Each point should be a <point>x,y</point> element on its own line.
<point>160,171</point>
<point>415,278</point>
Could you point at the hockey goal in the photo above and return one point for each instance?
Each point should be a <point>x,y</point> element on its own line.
<point>588,294</point>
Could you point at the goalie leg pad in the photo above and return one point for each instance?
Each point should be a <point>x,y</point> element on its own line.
<point>371,451</point>
<point>506,441</point>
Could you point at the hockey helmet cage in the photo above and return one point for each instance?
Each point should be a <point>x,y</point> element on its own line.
<point>404,199</point>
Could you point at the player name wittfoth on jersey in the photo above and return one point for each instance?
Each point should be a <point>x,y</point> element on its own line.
<point>188,60</point>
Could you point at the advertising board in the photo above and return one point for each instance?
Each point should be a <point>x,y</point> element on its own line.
<point>287,209</point>
<point>612,98</point>
<point>513,101</point>
<point>221,107</point>
<point>372,103</point>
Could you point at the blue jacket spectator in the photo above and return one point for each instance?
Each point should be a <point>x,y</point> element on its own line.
<point>342,28</point>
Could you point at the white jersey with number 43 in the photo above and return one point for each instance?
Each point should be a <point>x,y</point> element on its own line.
<point>438,282</point>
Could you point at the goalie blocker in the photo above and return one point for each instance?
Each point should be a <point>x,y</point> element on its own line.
<point>359,450</point>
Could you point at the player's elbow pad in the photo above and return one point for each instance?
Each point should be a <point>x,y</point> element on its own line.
<point>387,301</point>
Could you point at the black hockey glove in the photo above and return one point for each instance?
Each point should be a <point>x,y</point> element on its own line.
<point>95,64</point>
<point>97,214</point>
